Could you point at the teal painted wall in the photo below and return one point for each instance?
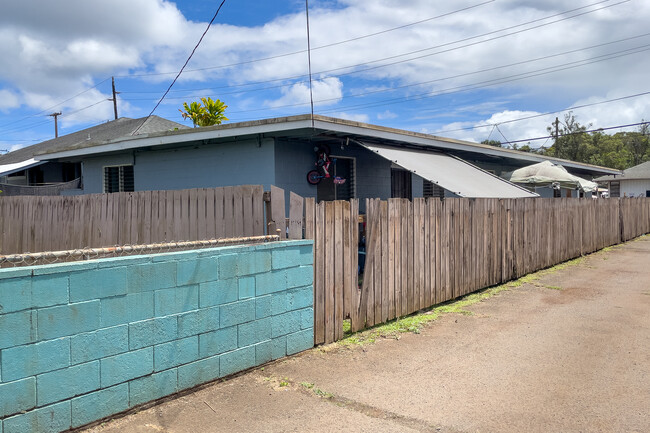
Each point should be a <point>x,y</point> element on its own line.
<point>83,341</point>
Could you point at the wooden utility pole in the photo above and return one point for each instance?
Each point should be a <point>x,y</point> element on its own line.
<point>56,123</point>
<point>114,99</point>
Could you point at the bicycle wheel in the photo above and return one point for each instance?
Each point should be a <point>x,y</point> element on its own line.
<point>314,177</point>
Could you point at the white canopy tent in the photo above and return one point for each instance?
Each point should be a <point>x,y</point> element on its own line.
<point>546,173</point>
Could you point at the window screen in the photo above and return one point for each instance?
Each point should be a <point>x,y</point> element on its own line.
<point>118,179</point>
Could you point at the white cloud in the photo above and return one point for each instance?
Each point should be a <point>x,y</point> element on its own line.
<point>363,118</point>
<point>326,91</point>
<point>386,115</point>
<point>53,50</point>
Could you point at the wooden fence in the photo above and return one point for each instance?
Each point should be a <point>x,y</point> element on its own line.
<point>38,224</point>
<point>425,252</point>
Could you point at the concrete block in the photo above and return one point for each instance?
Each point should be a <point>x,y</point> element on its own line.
<point>237,360</point>
<point>18,328</point>
<point>175,353</point>
<point>32,359</point>
<point>279,303</point>
<point>307,318</point>
<point>196,373</point>
<point>49,290</point>
<point>122,310</point>
<point>286,323</point>
<point>24,271</point>
<point>218,292</point>
<point>270,282</point>
<point>214,343</point>
<point>254,332</point>
<point>63,268</point>
<point>99,344</point>
<point>300,276</point>
<point>263,352</point>
<point>198,322</point>
<point>299,341</point>
<point>151,276</point>
<point>237,313</point>
<point>153,331</point>
<point>69,319</point>
<point>244,263</point>
<point>300,298</point>
<point>176,300</point>
<point>62,384</point>
<point>15,294</point>
<point>126,366</point>
<point>17,396</point>
<point>279,347</point>
<point>97,284</point>
<point>152,387</point>
<point>263,306</point>
<point>286,257</point>
<point>197,270</point>
<point>246,287</point>
<point>113,262</point>
<point>100,404</point>
<point>228,266</point>
<point>50,419</point>
<point>306,256</point>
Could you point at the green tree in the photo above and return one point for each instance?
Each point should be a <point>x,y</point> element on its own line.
<point>208,112</point>
<point>571,141</point>
<point>495,143</point>
<point>638,145</point>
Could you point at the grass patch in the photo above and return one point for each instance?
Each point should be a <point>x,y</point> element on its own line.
<point>414,323</point>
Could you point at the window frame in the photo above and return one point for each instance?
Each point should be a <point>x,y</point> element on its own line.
<point>120,178</point>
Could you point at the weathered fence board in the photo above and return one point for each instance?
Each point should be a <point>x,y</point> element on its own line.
<point>35,224</point>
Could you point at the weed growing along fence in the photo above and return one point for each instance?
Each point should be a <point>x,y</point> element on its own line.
<point>423,252</point>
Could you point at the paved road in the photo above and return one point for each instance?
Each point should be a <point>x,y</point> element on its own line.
<point>533,358</point>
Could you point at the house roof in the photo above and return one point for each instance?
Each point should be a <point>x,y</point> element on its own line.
<point>315,127</point>
<point>641,171</point>
<point>105,132</point>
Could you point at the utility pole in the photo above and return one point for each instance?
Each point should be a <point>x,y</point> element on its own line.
<point>557,135</point>
<point>56,123</point>
<point>114,98</point>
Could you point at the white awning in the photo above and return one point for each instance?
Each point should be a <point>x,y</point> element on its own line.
<point>19,166</point>
<point>451,173</point>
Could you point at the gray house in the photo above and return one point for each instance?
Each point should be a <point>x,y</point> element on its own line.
<point>633,182</point>
<point>374,161</point>
<point>22,174</point>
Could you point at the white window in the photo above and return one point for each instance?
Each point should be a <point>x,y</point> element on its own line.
<point>118,178</point>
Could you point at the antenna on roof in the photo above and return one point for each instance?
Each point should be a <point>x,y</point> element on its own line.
<point>311,93</point>
<point>56,123</point>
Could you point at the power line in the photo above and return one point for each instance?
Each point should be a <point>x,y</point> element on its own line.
<point>609,128</point>
<point>406,85</point>
<point>466,87</point>
<point>548,113</point>
<point>318,47</point>
<point>181,71</point>
<point>428,48</point>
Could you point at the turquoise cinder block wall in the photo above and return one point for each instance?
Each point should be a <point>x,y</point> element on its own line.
<point>83,341</point>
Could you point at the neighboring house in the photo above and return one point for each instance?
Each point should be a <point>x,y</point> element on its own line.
<point>633,182</point>
<point>375,161</point>
<point>21,174</point>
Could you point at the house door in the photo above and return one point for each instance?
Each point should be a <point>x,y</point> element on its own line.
<point>400,183</point>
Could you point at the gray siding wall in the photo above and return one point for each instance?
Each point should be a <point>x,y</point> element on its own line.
<point>295,159</point>
<point>201,166</point>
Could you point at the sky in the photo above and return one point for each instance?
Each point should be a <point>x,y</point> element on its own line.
<point>467,69</point>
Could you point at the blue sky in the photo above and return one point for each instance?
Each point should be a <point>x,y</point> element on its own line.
<point>468,69</point>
